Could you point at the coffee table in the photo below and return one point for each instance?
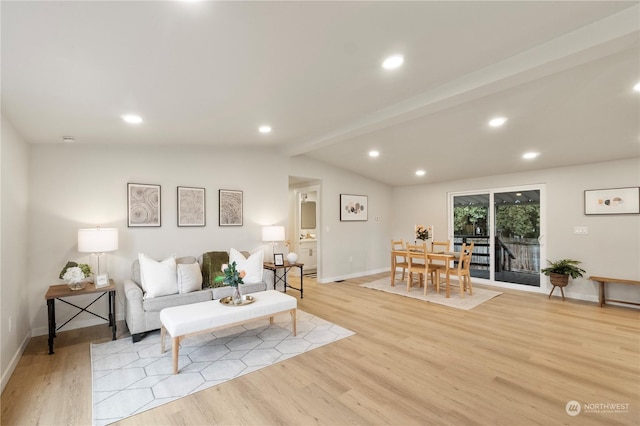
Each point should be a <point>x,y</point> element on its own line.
<point>204,317</point>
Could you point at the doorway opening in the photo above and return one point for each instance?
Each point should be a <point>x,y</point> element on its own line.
<point>304,223</point>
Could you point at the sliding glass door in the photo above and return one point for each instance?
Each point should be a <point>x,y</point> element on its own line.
<point>505,226</point>
<point>472,223</point>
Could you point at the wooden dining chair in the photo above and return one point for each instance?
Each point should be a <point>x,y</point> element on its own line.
<point>438,266</point>
<point>398,261</point>
<point>463,270</point>
<point>417,264</point>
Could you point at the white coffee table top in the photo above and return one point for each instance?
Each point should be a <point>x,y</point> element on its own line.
<point>195,317</point>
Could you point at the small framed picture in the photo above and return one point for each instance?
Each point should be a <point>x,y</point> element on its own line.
<point>102,280</point>
<point>278,259</point>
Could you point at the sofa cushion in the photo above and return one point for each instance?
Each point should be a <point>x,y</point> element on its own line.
<point>135,268</point>
<point>156,304</point>
<point>252,266</point>
<point>158,278</point>
<point>189,277</point>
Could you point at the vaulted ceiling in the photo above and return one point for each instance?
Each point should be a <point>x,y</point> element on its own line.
<point>211,73</point>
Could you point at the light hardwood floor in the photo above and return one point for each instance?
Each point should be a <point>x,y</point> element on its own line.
<point>516,360</point>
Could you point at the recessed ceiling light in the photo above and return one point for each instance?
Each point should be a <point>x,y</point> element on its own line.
<point>264,129</point>
<point>530,155</point>
<point>68,139</point>
<point>637,87</point>
<point>420,173</point>
<point>498,121</point>
<point>393,62</point>
<point>132,119</point>
<point>374,153</point>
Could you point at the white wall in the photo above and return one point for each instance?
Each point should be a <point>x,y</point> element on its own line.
<point>78,186</point>
<point>14,304</point>
<point>365,243</point>
<point>611,248</point>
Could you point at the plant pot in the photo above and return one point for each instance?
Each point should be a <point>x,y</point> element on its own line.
<point>559,280</point>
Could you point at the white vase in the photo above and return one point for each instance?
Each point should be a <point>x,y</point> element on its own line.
<point>292,257</point>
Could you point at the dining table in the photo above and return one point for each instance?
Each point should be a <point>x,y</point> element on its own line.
<point>445,256</point>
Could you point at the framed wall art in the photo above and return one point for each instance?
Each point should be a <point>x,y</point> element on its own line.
<point>612,201</point>
<point>230,206</point>
<point>353,207</point>
<point>191,206</point>
<point>143,205</point>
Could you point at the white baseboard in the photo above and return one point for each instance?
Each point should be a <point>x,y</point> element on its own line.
<point>14,361</point>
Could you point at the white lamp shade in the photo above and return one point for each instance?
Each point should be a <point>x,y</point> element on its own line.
<point>97,240</point>
<point>273,233</point>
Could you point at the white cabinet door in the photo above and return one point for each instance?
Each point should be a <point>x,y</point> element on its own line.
<point>308,255</point>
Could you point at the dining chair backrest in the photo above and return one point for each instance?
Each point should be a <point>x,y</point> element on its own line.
<point>397,244</point>
<point>417,248</point>
<point>466,251</point>
<point>440,246</point>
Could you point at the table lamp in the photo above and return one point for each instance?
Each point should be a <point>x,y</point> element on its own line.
<point>273,234</point>
<point>98,241</point>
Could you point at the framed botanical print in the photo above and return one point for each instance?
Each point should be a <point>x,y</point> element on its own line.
<point>191,206</point>
<point>230,208</point>
<point>143,205</point>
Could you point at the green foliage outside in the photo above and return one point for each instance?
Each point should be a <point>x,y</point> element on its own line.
<point>466,217</point>
<point>514,220</point>
<point>518,220</point>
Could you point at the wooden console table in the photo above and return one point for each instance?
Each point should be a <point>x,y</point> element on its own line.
<point>602,281</point>
<point>63,290</point>
<point>283,279</point>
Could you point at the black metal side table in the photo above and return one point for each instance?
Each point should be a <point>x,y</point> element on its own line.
<point>283,278</point>
<point>63,290</point>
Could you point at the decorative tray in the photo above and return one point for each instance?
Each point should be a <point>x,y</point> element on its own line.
<point>228,301</point>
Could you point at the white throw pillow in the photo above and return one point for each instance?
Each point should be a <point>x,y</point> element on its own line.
<point>252,265</point>
<point>158,278</point>
<point>189,277</point>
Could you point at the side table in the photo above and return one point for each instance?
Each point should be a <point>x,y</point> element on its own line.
<point>283,279</point>
<point>63,290</point>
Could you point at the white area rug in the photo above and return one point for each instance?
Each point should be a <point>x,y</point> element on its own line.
<point>129,378</point>
<point>455,301</point>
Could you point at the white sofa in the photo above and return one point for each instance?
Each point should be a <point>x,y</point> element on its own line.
<point>142,314</point>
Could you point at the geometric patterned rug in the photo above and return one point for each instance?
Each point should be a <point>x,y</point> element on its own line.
<point>480,295</point>
<point>129,378</point>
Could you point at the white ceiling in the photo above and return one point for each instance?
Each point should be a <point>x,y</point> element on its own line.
<point>209,73</point>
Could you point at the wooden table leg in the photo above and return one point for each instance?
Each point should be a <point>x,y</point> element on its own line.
<point>176,349</point>
<point>601,293</point>
<point>293,320</point>
<point>448,280</point>
<point>163,333</point>
<point>393,270</point>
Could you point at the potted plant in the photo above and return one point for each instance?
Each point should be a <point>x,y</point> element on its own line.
<point>560,271</point>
